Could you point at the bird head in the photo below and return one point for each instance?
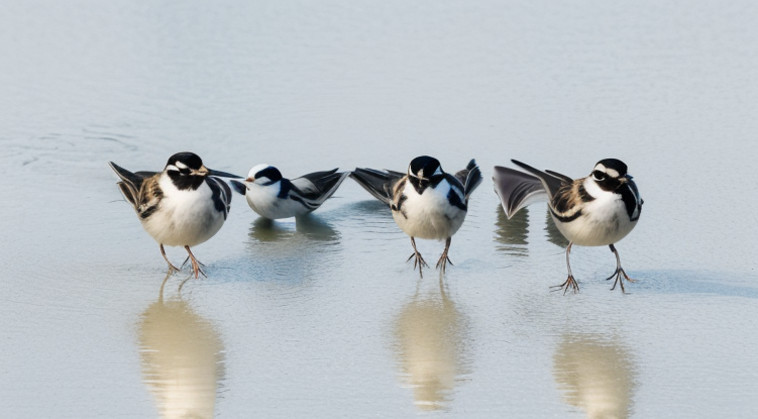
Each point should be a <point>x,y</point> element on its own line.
<point>187,171</point>
<point>610,174</point>
<point>423,172</point>
<point>263,174</point>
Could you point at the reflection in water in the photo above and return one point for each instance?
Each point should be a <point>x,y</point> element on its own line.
<point>294,249</point>
<point>512,234</point>
<point>310,226</point>
<point>553,234</point>
<point>430,333</point>
<point>182,359</point>
<point>267,230</point>
<point>316,228</point>
<point>595,375</point>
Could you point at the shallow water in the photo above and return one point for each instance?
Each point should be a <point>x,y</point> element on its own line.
<point>322,317</point>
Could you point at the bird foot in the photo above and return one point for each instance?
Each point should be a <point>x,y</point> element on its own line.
<point>570,283</point>
<point>620,275</point>
<point>197,267</point>
<point>443,261</point>
<point>418,261</point>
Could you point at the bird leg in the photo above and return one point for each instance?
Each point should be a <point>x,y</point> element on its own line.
<point>570,281</point>
<point>419,260</point>
<point>171,267</point>
<point>195,264</point>
<point>618,272</point>
<point>444,260</point>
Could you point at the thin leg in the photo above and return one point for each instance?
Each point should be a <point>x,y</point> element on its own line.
<point>195,264</point>
<point>163,285</point>
<point>444,260</point>
<point>618,272</point>
<point>570,281</point>
<point>419,260</point>
<point>171,267</point>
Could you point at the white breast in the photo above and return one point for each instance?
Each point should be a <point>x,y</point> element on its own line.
<point>184,217</point>
<point>603,221</point>
<point>429,216</point>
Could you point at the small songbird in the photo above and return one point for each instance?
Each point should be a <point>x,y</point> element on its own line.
<point>184,205</point>
<point>273,197</point>
<point>426,202</point>
<point>597,210</point>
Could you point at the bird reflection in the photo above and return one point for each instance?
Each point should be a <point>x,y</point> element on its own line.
<point>182,359</point>
<point>553,234</point>
<point>512,233</point>
<point>316,228</point>
<point>430,334</point>
<point>310,226</point>
<point>295,249</point>
<point>595,375</point>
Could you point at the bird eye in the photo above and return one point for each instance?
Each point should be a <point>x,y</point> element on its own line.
<point>598,175</point>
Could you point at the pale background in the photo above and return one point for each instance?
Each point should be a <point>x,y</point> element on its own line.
<point>325,319</point>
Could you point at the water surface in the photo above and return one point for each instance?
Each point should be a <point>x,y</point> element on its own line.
<point>322,317</point>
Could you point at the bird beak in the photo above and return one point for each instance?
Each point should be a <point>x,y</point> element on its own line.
<point>218,173</point>
<point>251,179</point>
<point>202,171</point>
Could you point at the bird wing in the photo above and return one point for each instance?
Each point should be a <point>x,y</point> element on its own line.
<point>315,188</point>
<point>470,178</point>
<point>221,194</point>
<point>378,183</point>
<point>130,183</point>
<point>517,189</point>
<point>238,187</point>
<point>552,181</point>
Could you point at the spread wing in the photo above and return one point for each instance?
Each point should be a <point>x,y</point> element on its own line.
<point>140,189</point>
<point>317,187</point>
<point>130,183</point>
<point>552,181</point>
<point>378,183</point>
<point>517,189</point>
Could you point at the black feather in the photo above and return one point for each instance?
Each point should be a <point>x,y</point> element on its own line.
<point>239,187</point>
<point>377,183</point>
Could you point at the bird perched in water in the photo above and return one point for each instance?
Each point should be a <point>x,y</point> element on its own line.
<point>273,197</point>
<point>426,202</point>
<point>597,210</point>
<point>184,205</point>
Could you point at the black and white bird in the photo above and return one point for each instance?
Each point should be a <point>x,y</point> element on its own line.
<point>184,205</point>
<point>426,202</point>
<point>597,210</point>
<point>274,197</point>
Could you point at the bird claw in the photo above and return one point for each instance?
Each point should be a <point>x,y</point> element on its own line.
<point>570,283</point>
<point>619,280</point>
<point>443,261</point>
<point>418,261</point>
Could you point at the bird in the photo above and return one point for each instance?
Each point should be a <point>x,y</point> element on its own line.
<point>597,210</point>
<point>184,205</point>
<point>273,196</point>
<point>426,202</point>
